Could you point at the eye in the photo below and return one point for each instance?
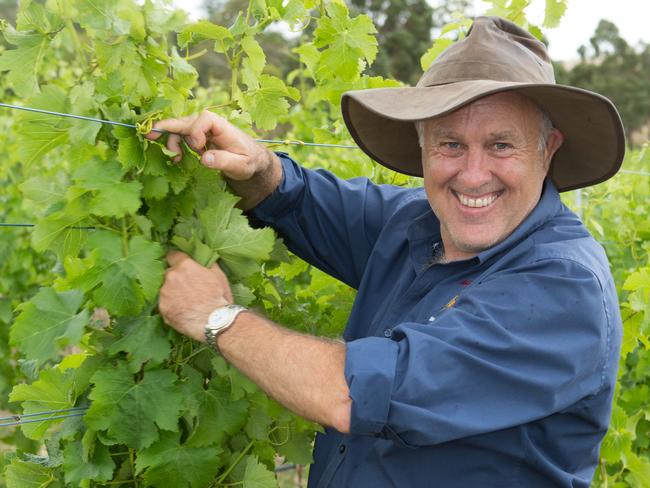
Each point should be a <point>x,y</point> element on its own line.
<point>502,146</point>
<point>451,145</point>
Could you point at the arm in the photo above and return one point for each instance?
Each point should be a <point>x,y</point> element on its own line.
<point>252,171</point>
<point>303,373</point>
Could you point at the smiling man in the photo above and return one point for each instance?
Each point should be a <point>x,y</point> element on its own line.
<point>483,344</point>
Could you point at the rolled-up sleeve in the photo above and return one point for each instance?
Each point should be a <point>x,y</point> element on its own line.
<point>329,222</point>
<point>522,345</point>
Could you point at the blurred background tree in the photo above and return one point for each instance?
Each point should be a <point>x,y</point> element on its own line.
<point>8,9</point>
<point>610,66</point>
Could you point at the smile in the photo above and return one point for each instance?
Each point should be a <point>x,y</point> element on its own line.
<point>484,201</point>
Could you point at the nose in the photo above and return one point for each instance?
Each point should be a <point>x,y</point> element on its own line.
<point>475,171</point>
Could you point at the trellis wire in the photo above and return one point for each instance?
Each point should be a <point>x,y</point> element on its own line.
<point>161,131</point>
<point>18,419</point>
<point>34,225</point>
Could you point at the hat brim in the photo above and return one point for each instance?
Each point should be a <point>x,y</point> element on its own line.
<point>381,122</point>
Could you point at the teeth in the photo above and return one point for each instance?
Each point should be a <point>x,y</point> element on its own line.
<point>477,202</point>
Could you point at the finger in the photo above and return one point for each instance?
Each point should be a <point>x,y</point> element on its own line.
<point>174,145</point>
<point>174,258</point>
<point>234,166</point>
<point>181,125</point>
<point>223,134</point>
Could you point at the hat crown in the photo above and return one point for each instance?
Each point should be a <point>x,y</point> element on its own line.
<point>494,49</point>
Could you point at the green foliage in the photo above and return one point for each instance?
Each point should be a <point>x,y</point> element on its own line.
<point>616,214</point>
<point>80,290</point>
<point>107,205</point>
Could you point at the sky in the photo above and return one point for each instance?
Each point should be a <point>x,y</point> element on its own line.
<point>576,27</point>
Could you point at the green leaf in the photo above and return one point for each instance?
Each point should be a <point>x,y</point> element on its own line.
<point>267,102</point>
<point>171,464</point>
<point>38,134</point>
<point>43,191</point>
<point>129,153</point>
<point>298,448</point>
<point>132,412</point>
<point>144,340</point>
<point>47,323</point>
<point>430,56</point>
<point>254,52</point>
<point>111,197</point>
<point>201,31</point>
<point>22,474</point>
<point>346,41</point>
<point>155,187</point>
<point>99,467</point>
<point>119,293</point>
<point>62,231</point>
<point>228,234</point>
<point>216,415</point>
<point>555,10</point>
<point>144,264</point>
<point>257,475</point>
<point>24,62</point>
<point>53,390</point>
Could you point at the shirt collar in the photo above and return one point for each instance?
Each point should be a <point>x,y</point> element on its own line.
<point>425,229</point>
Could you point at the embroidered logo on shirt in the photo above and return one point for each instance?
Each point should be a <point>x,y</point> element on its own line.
<point>452,302</point>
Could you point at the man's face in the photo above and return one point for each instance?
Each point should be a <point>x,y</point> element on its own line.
<point>483,170</point>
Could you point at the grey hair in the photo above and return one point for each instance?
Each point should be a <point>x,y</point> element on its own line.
<point>546,126</point>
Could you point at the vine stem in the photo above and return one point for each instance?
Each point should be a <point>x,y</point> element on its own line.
<point>234,464</point>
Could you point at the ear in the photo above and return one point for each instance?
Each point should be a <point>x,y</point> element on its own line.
<point>553,143</point>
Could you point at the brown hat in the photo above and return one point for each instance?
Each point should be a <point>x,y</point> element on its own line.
<point>496,56</point>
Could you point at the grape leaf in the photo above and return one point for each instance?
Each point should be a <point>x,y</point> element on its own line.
<point>255,53</point>
<point>53,390</point>
<point>346,41</point>
<point>217,416</point>
<point>200,31</point>
<point>139,331</point>
<point>227,231</point>
<point>268,101</point>
<point>257,475</point>
<point>39,134</point>
<point>62,231</point>
<point>555,10</point>
<point>111,197</point>
<point>132,412</point>
<point>99,467</point>
<point>22,474</point>
<point>23,62</point>
<point>48,322</point>
<point>171,464</point>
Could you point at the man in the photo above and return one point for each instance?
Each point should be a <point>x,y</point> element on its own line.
<point>483,344</point>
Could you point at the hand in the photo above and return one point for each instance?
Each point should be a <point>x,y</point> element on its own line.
<point>221,145</point>
<point>190,293</point>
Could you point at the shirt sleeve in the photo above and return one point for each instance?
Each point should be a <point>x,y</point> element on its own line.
<point>329,222</point>
<point>513,349</point>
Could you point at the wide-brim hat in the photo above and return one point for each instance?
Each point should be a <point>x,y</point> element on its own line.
<point>495,56</point>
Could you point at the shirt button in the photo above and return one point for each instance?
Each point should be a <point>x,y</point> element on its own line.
<point>388,333</point>
<point>342,448</point>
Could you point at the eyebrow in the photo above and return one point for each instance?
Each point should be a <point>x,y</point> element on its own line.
<point>505,134</point>
<point>444,133</point>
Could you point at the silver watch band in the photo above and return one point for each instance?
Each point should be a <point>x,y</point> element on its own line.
<point>220,320</point>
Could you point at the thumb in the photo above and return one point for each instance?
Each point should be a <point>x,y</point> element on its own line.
<point>234,166</point>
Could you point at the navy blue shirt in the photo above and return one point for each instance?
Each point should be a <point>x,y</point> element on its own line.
<point>495,371</point>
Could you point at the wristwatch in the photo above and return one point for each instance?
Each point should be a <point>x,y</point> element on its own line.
<point>219,320</point>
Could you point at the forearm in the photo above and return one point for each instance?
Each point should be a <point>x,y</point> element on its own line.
<point>252,191</point>
<point>303,373</point>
